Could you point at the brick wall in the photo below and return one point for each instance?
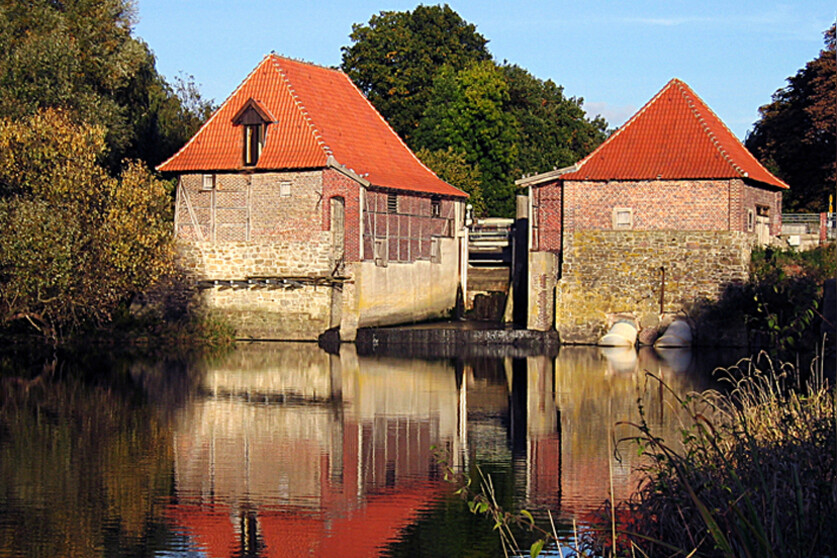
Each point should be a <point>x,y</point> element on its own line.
<point>696,205</point>
<point>408,231</point>
<point>337,184</point>
<point>748,198</point>
<point>278,224</point>
<point>546,208</point>
<point>655,204</point>
<point>259,207</point>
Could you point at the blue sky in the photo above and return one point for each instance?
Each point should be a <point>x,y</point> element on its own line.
<point>614,55</point>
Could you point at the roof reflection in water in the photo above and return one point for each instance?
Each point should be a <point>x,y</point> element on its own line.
<point>290,451</point>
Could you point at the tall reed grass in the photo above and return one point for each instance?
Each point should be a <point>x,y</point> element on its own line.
<point>753,475</point>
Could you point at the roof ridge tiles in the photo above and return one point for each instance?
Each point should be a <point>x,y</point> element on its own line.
<point>299,104</point>
<point>684,92</point>
<point>627,124</point>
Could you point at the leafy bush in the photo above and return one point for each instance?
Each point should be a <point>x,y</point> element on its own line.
<point>76,243</point>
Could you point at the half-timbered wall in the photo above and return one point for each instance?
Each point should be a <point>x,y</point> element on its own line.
<point>399,227</point>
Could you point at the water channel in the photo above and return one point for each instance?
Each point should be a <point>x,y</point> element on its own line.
<point>282,449</point>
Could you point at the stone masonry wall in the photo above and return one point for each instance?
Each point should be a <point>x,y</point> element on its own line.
<point>240,260</point>
<point>613,272</point>
<point>262,225</point>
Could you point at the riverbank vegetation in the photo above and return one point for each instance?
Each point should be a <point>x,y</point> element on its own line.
<point>753,474</point>
<point>84,116</point>
<point>778,309</point>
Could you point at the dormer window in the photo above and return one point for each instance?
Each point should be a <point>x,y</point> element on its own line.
<point>253,143</point>
<point>253,119</point>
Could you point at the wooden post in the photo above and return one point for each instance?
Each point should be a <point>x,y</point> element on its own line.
<point>662,289</point>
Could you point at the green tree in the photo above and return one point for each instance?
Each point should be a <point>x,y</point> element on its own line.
<point>451,166</point>
<point>76,241</point>
<point>395,57</point>
<point>554,130</point>
<point>796,134</point>
<point>80,56</point>
<point>467,113</point>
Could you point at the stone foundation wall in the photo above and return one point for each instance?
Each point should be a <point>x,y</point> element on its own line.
<point>239,260</point>
<point>543,274</point>
<point>609,272</point>
<point>264,312</point>
<point>261,313</point>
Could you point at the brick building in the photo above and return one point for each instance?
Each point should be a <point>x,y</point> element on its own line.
<point>663,213</point>
<point>298,210</point>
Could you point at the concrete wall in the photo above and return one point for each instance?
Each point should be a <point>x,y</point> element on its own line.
<point>400,292</point>
<point>543,275</point>
<point>615,272</point>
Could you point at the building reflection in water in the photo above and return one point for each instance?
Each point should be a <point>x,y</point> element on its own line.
<point>290,451</point>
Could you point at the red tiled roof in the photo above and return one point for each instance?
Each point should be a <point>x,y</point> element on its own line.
<point>319,113</point>
<point>674,136</point>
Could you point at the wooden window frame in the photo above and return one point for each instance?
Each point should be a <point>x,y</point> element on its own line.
<point>435,207</point>
<point>253,143</point>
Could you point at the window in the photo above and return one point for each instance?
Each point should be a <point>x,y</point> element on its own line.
<point>208,182</point>
<point>253,119</point>
<point>623,218</point>
<point>381,252</point>
<point>751,219</point>
<point>284,189</point>
<point>392,203</point>
<point>435,207</point>
<point>253,143</point>
<point>435,250</point>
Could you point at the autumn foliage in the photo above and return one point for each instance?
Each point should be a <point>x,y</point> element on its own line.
<point>77,242</point>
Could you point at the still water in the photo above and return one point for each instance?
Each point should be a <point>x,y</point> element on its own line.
<point>282,449</point>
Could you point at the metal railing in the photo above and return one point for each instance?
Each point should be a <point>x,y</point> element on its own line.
<point>810,224</point>
<point>488,240</point>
